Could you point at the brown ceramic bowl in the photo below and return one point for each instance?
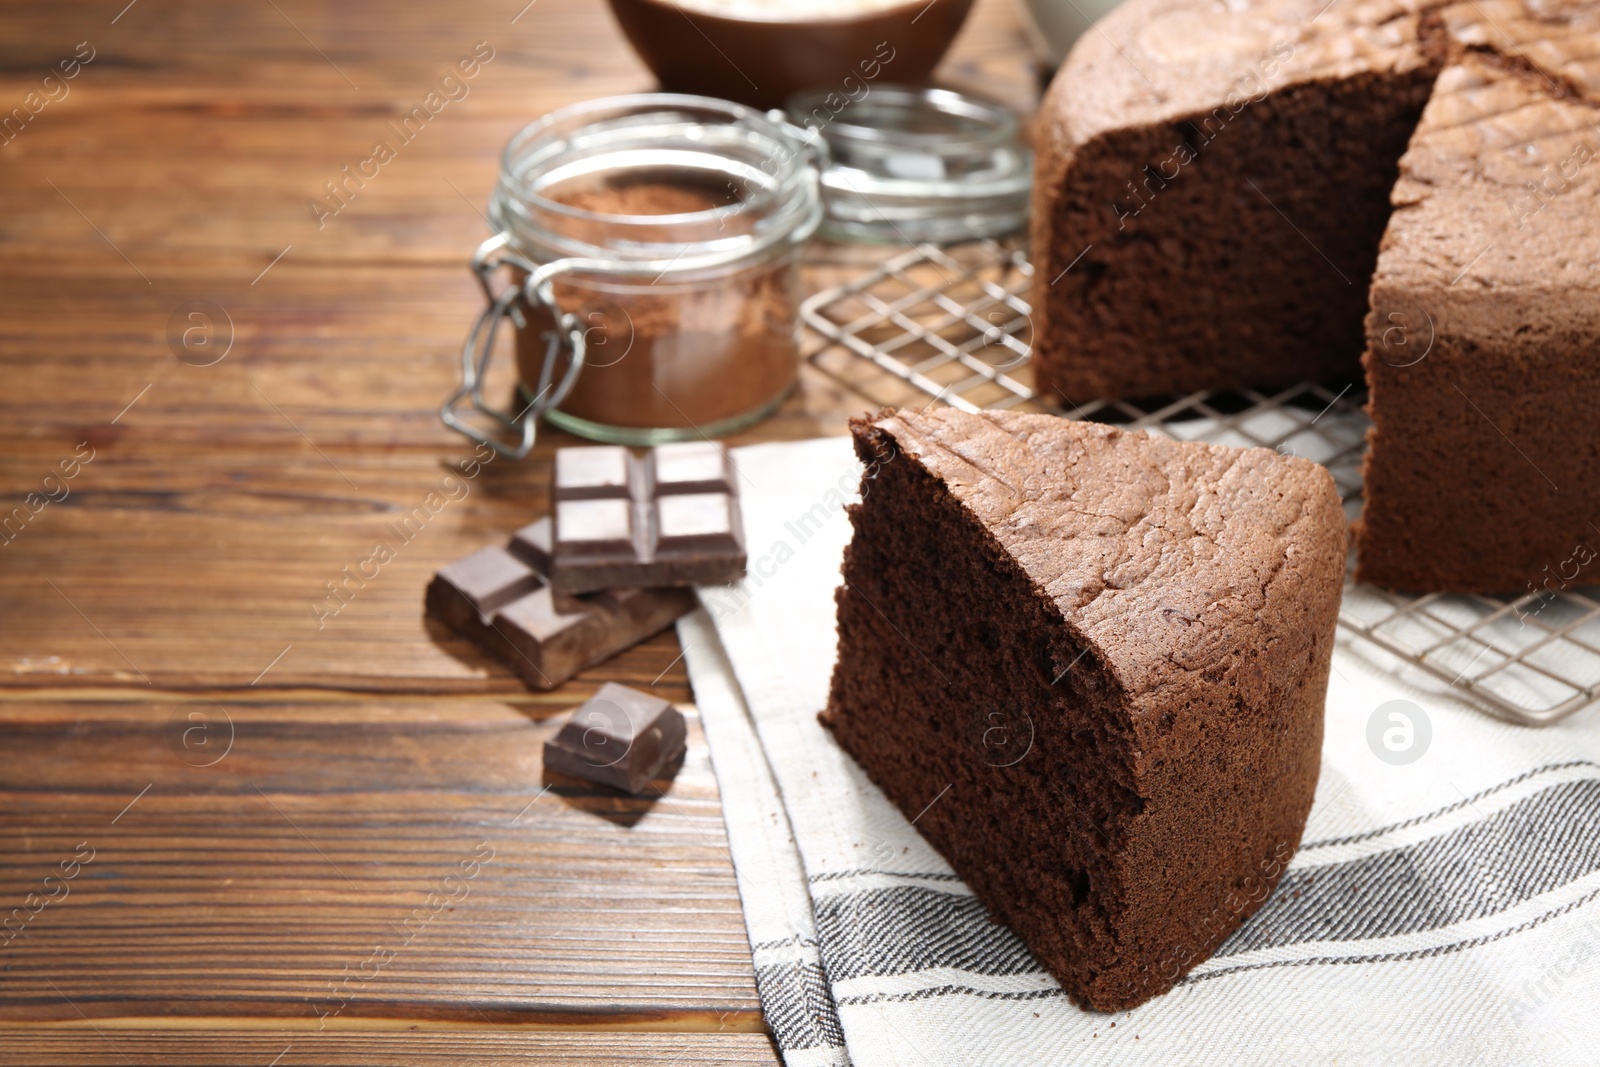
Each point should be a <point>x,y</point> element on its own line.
<point>763,61</point>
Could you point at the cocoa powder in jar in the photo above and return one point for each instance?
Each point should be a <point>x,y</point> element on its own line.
<point>669,354</point>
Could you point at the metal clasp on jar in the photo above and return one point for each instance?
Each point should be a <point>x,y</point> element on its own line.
<point>512,302</point>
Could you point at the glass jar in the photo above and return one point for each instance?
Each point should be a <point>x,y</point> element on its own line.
<point>912,163</point>
<point>654,243</point>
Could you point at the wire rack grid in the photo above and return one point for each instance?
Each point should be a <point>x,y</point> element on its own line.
<point>952,324</point>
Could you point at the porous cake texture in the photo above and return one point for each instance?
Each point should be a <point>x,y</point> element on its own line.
<point>1094,663</point>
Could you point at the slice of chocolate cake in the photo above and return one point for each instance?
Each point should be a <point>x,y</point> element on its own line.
<point>1483,471</point>
<point>1106,655</point>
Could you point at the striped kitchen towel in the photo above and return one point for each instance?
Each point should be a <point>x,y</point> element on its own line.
<point>1443,909</point>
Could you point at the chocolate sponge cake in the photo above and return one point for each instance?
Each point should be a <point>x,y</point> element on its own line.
<point>1483,344</point>
<point>1106,654</point>
<point>1212,208</point>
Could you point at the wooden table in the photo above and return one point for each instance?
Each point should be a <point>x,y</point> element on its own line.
<point>234,827</point>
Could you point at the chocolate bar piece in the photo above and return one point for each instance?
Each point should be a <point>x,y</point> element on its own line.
<point>619,737</point>
<point>499,599</point>
<point>667,518</point>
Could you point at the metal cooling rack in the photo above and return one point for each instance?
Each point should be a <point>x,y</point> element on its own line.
<point>953,324</point>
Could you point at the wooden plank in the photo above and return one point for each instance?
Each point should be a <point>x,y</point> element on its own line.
<point>130,1048</point>
<point>358,361</point>
<point>215,168</point>
<point>311,864</point>
<point>353,333</point>
<point>165,574</point>
<point>221,498</point>
<point>219,166</point>
<point>308,54</point>
<point>164,50</point>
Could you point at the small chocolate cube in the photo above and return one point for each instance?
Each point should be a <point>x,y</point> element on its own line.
<point>620,737</point>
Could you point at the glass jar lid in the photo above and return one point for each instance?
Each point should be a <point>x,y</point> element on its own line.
<point>914,163</point>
